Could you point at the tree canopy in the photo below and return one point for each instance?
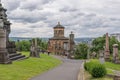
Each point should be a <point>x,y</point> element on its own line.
<point>81,51</point>
<point>24,45</point>
<point>99,43</point>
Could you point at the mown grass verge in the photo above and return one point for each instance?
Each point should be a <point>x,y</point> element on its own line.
<point>25,69</point>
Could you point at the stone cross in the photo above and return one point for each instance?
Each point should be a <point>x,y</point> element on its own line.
<point>107,51</point>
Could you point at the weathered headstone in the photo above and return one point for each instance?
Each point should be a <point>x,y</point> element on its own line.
<point>107,51</point>
<point>115,54</point>
<point>101,57</point>
<point>93,55</point>
<point>34,50</point>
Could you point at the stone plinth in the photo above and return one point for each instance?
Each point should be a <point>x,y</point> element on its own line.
<point>115,54</point>
<point>4,56</point>
<point>11,47</point>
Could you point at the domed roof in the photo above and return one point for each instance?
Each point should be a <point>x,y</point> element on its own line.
<point>58,25</point>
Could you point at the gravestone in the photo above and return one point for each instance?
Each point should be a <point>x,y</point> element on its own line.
<point>115,54</point>
<point>101,57</point>
<point>34,50</point>
<point>93,55</point>
<point>107,51</point>
<point>18,46</point>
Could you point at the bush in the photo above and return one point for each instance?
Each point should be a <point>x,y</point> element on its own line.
<point>95,68</point>
<point>98,71</point>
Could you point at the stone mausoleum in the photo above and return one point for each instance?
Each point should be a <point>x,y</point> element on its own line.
<point>59,44</point>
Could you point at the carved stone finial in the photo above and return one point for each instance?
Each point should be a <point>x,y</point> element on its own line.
<point>71,32</point>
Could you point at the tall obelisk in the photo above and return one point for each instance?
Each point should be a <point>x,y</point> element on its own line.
<point>107,51</point>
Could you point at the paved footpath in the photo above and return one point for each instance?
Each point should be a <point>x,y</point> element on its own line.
<point>68,70</point>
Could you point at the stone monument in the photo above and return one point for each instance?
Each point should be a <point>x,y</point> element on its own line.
<point>72,45</point>
<point>107,51</point>
<point>4,56</point>
<point>18,47</point>
<point>34,50</point>
<point>101,57</point>
<point>115,54</point>
<point>8,45</point>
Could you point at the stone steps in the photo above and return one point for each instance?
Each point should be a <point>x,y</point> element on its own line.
<point>16,56</point>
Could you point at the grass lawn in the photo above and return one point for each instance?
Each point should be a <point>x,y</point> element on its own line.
<point>112,66</point>
<point>25,69</point>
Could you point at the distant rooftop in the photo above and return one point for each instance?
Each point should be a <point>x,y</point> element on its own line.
<point>58,25</point>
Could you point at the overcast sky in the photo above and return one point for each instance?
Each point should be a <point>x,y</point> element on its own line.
<point>86,18</point>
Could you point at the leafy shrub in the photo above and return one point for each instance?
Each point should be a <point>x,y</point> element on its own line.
<point>95,68</point>
<point>98,71</point>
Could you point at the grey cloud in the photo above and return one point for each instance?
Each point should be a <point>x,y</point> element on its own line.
<point>19,32</point>
<point>27,19</point>
<point>11,4</point>
<point>32,5</point>
<point>83,20</point>
<point>68,9</point>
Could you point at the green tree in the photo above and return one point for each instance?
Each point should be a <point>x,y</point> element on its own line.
<point>81,51</point>
<point>25,45</point>
<point>99,44</point>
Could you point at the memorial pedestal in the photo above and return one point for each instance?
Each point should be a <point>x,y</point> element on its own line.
<point>4,57</point>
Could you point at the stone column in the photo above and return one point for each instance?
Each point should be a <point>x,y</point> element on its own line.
<point>36,48</point>
<point>115,53</point>
<point>4,57</point>
<point>71,41</point>
<point>72,44</point>
<point>107,51</point>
